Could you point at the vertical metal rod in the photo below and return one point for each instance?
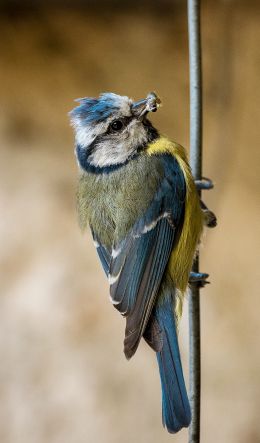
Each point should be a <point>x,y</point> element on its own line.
<point>196,166</point>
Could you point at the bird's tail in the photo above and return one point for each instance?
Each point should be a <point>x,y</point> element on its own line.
<point>176,412</point>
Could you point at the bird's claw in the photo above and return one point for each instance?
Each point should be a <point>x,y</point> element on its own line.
<point>210,220</point>
<point>198,279</point>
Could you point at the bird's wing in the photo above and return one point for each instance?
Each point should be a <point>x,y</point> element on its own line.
<point>103,252</point>
<point>139,261</point>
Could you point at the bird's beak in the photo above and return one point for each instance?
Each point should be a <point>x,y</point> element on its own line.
<point>149,104</point>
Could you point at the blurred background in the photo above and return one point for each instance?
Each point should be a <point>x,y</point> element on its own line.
<point>63,375</point>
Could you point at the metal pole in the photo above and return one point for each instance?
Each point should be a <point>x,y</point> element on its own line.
<point>196,166</point>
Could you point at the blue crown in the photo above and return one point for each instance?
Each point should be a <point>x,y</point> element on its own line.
<point>97,109</point>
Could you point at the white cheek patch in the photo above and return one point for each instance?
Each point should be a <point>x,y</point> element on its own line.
<point>117,149</point>
<point>84,137</point>
<point>86,134</point>
<point>105,155</point>
<point>137,133</point>
<point>111,149</point>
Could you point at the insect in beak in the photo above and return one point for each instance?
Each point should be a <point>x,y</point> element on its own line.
<point>150,104</point>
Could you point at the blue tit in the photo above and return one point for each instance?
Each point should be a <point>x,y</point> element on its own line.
<point>137,194</point>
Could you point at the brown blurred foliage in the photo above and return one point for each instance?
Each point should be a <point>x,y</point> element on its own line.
<point>63,376</point>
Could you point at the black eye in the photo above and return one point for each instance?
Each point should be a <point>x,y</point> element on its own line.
<point>116,125</point>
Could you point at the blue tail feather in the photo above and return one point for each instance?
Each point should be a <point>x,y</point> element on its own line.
<point>175,404</point>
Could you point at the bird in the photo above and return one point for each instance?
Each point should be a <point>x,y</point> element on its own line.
<point>137,194</point>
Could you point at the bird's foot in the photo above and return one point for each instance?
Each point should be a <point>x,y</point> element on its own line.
<point>198,279</point>
<point>210,220</point>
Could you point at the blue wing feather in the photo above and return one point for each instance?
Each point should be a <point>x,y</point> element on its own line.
<point>103,253</point>
<point>137,269</point>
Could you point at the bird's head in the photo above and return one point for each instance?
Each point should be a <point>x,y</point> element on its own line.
<point>111,129</point>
